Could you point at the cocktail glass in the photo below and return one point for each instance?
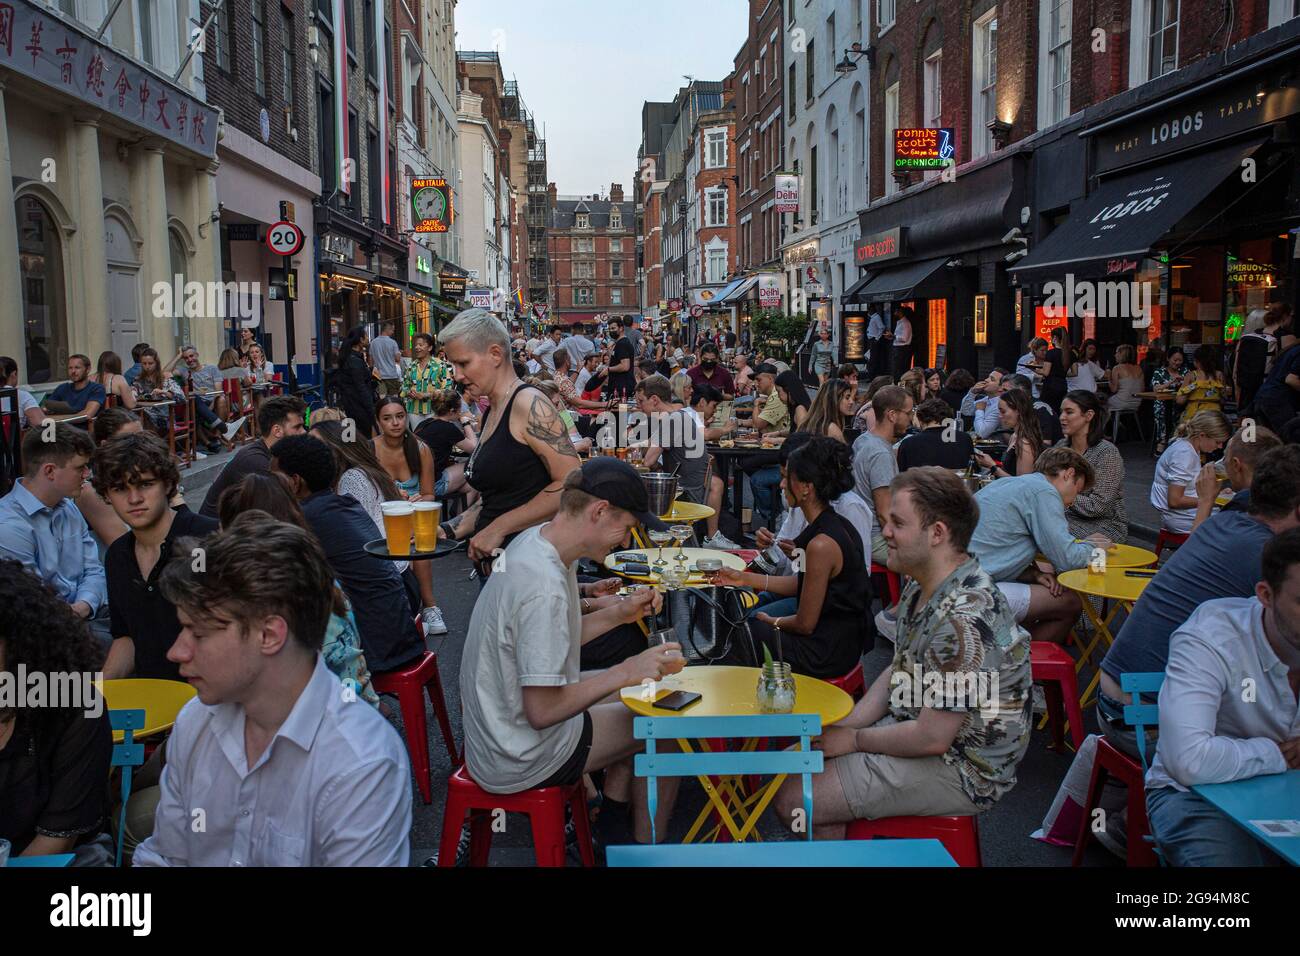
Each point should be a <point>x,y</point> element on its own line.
<point>661,538</point>
<point>680,533</point>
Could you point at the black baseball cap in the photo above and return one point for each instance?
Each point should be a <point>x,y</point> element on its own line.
<point>618,483</point>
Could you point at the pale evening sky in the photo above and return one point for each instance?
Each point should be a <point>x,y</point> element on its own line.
<point>584,68</point>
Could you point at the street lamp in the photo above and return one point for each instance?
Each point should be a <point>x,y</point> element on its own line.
<point>846,65</point>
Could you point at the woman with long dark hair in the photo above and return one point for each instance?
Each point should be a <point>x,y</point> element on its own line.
<point>108,373</point>
<point>354,383</point>
<point>54,760</point>
<point>832,410</point>
<point>1016,410</point>
<point>795,397</point>
<point>1100,509</point>
<point>831,629</point>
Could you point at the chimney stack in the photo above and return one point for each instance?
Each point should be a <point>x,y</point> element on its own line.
<point>615,192</point>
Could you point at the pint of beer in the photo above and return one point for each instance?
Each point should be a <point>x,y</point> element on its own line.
<point>427,516</point>
<point>399,521</point>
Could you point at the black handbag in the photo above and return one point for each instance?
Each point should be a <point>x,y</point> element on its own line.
<point>711,626</point>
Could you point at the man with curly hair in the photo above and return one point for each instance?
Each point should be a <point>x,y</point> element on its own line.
<point>137,476</point>
<point>942,731</point>
<point>41,527</point>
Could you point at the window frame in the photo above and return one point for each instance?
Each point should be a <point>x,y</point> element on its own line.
<point>257,38</point>
<point>983,55</point>
<point>288,59</point>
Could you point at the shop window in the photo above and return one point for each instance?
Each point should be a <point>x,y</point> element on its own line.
<point>938,329</point>
<point>45,317</point>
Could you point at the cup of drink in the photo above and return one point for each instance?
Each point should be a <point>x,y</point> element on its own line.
<point>427,516</point>
<point>399,525</point>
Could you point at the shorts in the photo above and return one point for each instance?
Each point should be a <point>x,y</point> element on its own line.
<point>879,549</point>
<point>1017,596</point>
<point>440,486</point>
<point>572,769</point>
<point>878,785</point>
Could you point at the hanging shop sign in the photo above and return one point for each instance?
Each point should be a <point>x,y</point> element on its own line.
<point>879,246</point>
<point>419,266</point>
<point>923,148</point>
<point>981,320</point>
<point>769,291</point>
<point>479,298</point>
<point>432,204</point>
<point>61,55</point>
<point>787,192</point>
<point>453,287</point>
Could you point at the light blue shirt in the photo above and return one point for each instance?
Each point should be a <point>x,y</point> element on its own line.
<point>987,419</point>
<point>54,543</point>
<point>1019,517</point>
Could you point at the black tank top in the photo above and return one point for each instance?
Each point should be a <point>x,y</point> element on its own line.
<point>842,632</point>
<point>506,472</point>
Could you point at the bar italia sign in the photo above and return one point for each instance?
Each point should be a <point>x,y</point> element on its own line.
<point>1235,109</point>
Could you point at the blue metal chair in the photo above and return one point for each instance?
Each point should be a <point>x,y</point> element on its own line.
<point>1138,714</point>
<point>784,853</point>
<point>127,755</point>
<point>730,765</point>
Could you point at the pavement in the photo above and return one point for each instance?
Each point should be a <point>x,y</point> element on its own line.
<point>1004,830</point>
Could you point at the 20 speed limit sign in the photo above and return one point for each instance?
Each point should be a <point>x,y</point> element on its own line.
<point>284,238</point>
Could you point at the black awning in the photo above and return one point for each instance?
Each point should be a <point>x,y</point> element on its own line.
<point>852,292</point>
<point>922,280</point>
<point>1116,226</point>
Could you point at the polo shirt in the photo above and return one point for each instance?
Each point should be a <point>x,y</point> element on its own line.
<point>137,608</point>
<point>719,378</point>
<point>1220,560</point>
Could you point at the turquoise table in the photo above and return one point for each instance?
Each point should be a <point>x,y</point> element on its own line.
<point>57,859</point>
<point>787,853</point>
<point>1274,796</point>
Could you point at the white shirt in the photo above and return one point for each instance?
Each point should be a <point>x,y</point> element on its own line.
<point>25,402</point>
<point>875,326</point>
<point>578,347</point>
<point>545,352</point>
<point>1210,730</point>
<point>1026,368</point>
<point>333,787</point>
<point>1089,374</point>
<point>903,332</point>
<point>526,631</point>
<point>850,506</point>
<point>581,383</point>
<point>1179,465</point>
<point>989,418</point>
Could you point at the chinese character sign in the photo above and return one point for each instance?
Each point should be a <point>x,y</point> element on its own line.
<point>63,57</point>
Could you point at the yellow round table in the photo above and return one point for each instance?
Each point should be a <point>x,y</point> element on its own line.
<point>1129,556</point>
<point>696,579</point>
<point>727,691</point>
<point>1119,585</point>
<point>161,701</point>
<point>688,511</point>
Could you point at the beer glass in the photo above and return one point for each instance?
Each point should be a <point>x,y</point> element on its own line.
<point>427,516</point>
<point>399,525</point>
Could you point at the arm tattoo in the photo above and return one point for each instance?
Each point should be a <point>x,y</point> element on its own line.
<point>545,425</point>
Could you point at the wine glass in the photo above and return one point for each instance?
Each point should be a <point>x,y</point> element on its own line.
<point>661,538</point>
<point>680,533</point>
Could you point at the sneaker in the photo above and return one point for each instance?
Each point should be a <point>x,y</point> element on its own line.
<point>233,428</point>
<point>887,624</point>
<point>462,851</point>
<point>721,542</point>
<point>1040,700</point>
<point>433,622</point>
<point>198,455</point>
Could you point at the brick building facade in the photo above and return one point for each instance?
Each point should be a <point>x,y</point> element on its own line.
<point>592,249</point>
<point>760,124</point>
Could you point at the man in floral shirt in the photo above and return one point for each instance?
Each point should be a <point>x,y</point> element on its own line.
<point>424,376</point>
<point>941,731</point>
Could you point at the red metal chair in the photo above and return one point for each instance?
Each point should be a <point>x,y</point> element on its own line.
<point>960,836</point>
<point>544,808</point>
<point>851,683</point>
<point>1110,761</point>
<point>409,686</point>
<point>1053,667</point>
<point>892,581</point>
<point>1170,538</point>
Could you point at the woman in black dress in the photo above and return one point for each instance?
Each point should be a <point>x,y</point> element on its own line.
<point>523,453</point>
<point>831,629</point>
<point>1061,366</point>
<point>354,382</point>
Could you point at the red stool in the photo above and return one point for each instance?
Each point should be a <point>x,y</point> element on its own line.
<point>1129,772</point>
<point>960,836</point>
<point>892,581</point>
<point>851,683</point>
<point>1170,538</point>
<point>1054,668</point>
<point>409,686</point>
<point>545,810</point>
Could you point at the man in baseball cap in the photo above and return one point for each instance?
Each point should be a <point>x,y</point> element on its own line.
<point>532,718</point>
